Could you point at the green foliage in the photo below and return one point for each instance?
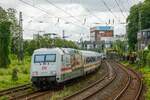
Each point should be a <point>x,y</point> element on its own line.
<point>120,47</point>
<point>15,28</point>
<point>149,47</point>
<point>22,73</point>
<point>145,13</point>
<point>132,29</point>
<point>80,84</point>
<point>133,22</point>
<point>148,59</point>
<point>15,74</point>
<point>142,55</point>
<point>8,26</point>
<point>145,70</point>
<point>43,42</point>
<point>4,43</point>
<point>3,15</point>
<point>4,98</point>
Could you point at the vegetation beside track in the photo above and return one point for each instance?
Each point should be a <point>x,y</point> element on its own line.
<point>145,70</point>
<point>22,73</point>
<point>80,84</point>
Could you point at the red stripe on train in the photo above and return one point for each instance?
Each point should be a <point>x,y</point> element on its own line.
<point>65,68</point>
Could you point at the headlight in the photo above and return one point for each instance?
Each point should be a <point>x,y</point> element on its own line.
<point>34,73</point>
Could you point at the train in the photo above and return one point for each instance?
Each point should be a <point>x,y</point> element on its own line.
<point>51,66</point>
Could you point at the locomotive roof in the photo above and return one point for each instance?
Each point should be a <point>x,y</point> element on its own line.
<point>89,53</point>
<point>67,50</point>
<point>45,50</point>
<point>61,50</point>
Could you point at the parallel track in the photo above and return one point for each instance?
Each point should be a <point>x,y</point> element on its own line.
<point>32,96</point>
<point>21,93</point>
<point>132,85</point>
<point>122,93</point>
<point>93,88</point>
<point>15,89</point>
<point>135,84</point>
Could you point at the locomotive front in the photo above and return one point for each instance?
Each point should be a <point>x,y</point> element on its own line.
<point>45,67</point>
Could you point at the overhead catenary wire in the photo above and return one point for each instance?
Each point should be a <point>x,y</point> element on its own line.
<point>54,16</point>
<point>49,13</point>
<point>105,4</point>
<point>123,6</point>
<point>93,14</point>
<point>120,8</point>
<point>64,11</point>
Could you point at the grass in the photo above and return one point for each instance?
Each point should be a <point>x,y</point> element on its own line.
<point>80,84</point>
<point>23,73</point>
<point>145,70</point>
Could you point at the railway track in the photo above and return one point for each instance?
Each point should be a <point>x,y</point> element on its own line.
<point>23,92</point>
<point>119,83</point>
<point>124,84</point>
<point>93,88</point>
<point>15,89</point>
<point>133,89</point>
<point>35,95</point>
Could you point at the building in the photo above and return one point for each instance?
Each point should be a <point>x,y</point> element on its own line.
<point>46,35</point>
<point>36,36</point>
<point>99,33</point>
<point>51,35</point>
<point>101,36</point>
<point>89,45</point>
<point>143,38</point>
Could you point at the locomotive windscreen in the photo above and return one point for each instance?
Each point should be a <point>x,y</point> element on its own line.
<point>44,58</point>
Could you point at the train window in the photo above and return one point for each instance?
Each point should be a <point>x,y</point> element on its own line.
<point>87,60</point>
<point>90,59</point>
<point>39,58</point>
<point>50,58</point>
<point>98,58</point>
<point>67,60</point>
<point>94,59</point>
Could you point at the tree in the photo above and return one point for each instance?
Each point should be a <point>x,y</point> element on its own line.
<point>132,29</point>
<point>120,46</point>
<point>8,27</point>
<point>44,42</point>
<point>4,43</point>
<point>4,38</point>
<point>145,14</point>
<point>134,20</point>
<point>14,30</point>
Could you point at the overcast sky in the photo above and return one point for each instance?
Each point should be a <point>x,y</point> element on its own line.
<point>75,17</point>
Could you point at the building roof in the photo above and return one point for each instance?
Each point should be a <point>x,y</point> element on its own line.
<point>103,28</point>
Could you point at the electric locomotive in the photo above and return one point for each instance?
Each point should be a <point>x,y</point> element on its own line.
<point>51,66</point>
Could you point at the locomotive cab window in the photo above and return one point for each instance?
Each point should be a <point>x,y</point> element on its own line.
<point>50,58</point>
<point>39,58</point>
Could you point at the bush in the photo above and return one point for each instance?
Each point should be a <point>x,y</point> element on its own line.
<point>4,98</point>
<point>143,57</point>
<point>148,59</point>
<point>15,74</point>
<point>4,71</point>
<point>24,70</point>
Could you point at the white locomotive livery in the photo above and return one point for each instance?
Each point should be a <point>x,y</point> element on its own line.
<point>57,65</point>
